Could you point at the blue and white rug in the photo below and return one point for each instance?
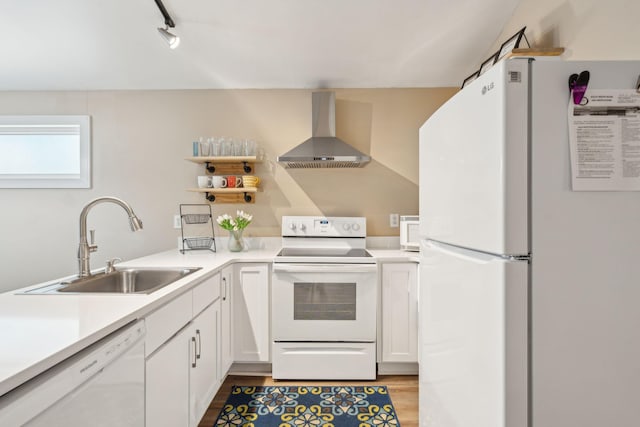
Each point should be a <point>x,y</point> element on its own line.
<point>308,406</point>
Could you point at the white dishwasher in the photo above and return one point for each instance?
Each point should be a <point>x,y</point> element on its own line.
<point>102,385</point>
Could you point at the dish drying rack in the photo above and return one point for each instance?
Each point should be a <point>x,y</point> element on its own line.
<point>193,219</point>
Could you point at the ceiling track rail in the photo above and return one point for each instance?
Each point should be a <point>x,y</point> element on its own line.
<point>167,18</point>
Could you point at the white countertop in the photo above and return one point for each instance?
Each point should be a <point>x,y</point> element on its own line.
<point>394,255</point>
<point>39,331</point>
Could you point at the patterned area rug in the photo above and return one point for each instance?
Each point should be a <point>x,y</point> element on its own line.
<point>295,406</point>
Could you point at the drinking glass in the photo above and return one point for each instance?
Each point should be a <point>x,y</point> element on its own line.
<point>226,147</point>
<point>238,147</point>
<point>214,147</point>
<point>249,147</point>
<point>204,148</point>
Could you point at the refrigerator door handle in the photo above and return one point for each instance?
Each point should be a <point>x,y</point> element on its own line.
<point>472,255</point>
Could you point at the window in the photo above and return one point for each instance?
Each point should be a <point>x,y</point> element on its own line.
<point>45,152</point>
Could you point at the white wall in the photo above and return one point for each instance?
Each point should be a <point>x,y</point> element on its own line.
<point>132,158</point>
<point>587,29</point>
<point>140,140</point>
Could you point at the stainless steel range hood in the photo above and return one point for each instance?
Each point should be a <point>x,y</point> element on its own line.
<point>323,149</point>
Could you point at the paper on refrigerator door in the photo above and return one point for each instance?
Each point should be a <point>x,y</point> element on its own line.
<point>604,141</point>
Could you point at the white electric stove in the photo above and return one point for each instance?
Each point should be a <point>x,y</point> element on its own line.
<point>324,301</point>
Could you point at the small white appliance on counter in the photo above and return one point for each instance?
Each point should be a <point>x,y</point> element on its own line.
<point>410,233</point>
<point>102,385</point>
<point>530,301</point>
<point>323,300</point>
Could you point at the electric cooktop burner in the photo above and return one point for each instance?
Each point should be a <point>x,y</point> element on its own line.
<point>325,252</point>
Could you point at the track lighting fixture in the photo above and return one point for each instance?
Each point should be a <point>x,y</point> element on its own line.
<point>170,38</point>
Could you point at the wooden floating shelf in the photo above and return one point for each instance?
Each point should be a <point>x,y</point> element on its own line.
<point>225,190</point>
<point>540,51</point>
<point>227,165</point>
<point>228,195</point>
<point>224,159</point>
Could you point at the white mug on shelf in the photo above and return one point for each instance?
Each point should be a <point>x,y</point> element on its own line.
<point>204,182</point>
<point>219,181</point>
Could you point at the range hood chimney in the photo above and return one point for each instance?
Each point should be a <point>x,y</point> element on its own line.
<point>323,149</point>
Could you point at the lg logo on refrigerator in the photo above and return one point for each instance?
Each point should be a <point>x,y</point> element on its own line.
<point>487,88</point>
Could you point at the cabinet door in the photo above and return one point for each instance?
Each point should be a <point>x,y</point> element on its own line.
<point>226,332</point>
<point>399,312</point>
<point>204,369</point>
<point>251,313</point>
<point>167,382</point>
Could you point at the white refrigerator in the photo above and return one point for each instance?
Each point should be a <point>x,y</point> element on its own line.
<point>529,291</point>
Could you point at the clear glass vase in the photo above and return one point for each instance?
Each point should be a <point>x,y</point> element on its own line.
<point>236,243</point>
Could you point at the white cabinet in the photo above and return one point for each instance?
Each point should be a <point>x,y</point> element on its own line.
<point>203,375</point>
<point>167,382</point>
<point>226,332</point>
<point>193,340</point>
<point>251,318</point>
<point>399,312</point>
<point>182,374</point>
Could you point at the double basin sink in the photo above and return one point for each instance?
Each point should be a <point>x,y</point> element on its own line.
<point>121,281</point>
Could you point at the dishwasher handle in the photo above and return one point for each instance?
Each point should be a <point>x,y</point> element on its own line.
<point>324,268</point>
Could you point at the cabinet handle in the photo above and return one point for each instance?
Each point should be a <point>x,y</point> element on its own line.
<point>194,364</point>
<point>224,289</point>
<point>199,339</point>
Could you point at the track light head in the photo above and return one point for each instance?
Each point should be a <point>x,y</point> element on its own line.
<point>170,38</point>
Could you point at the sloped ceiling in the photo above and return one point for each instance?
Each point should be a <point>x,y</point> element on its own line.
<point>114,44</point>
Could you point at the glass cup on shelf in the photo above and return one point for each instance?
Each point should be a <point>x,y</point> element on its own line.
<point>226,146</point>
<point>249,147</point>
<point>204,148</point>
<point>238,147</point>
<point>214,147</point>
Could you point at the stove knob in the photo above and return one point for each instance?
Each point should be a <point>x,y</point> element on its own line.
<point>355,226</point>
<point>292,226</point>
<point>302,227</point>
<point>346,226</point>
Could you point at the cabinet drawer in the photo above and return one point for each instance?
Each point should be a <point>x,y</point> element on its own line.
<point>324,361</point>
<point>163,323</point>
<point>206,293</point>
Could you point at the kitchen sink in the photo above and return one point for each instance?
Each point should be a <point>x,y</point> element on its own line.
<point>120,281</point>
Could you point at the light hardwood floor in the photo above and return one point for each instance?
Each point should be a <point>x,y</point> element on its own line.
<point>403,390</point>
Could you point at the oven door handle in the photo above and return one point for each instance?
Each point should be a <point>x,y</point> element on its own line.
<point>325,268</point>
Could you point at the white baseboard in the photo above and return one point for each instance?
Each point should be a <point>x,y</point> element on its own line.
<point>250,369</point>
<point>397,368</point>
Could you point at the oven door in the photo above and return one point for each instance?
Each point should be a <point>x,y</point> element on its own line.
<point>324,302</point>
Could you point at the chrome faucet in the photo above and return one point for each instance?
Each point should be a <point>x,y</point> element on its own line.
<point>84,249</point>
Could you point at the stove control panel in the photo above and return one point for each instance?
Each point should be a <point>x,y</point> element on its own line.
<point>318,226</point>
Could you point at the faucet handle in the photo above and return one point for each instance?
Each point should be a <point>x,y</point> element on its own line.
<point>92,246</point>
<point>110,268</point>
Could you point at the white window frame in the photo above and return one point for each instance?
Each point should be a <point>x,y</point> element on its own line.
<point>81,180</point>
